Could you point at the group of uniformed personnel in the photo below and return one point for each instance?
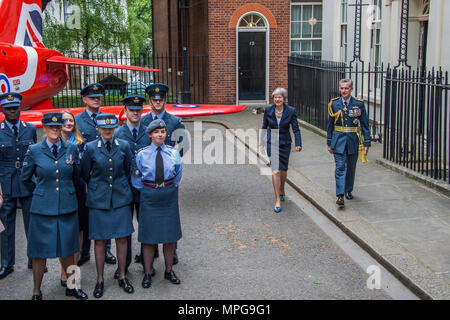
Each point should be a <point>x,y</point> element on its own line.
<point>31,172</point>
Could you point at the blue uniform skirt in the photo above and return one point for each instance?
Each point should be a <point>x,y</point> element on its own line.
<point>111,223</point>
<point>159,216</point>
<point>53,236</point>
<point>283,157</point>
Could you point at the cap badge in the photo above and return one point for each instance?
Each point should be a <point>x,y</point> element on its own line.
<point>108,121</point>
<point>10,98</point>
<point>157,90</point>
<point>136,100</point>
<point>95,87</point>
<point>55,119</point>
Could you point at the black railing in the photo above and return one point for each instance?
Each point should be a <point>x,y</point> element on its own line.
<point>417,121</point>
<point>311,85</point>
<point>119,83</point>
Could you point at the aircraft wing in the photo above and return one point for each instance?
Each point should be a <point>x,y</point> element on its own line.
<point>179,110</point>
<point>91,63</point>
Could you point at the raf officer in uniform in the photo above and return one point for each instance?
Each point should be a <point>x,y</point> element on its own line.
<point>87,124</point>
<point>348,137</point>
<point>53,229</point>
<point>15,138</point>
<point>157,93</point>
<point>134,132</point>
<point>106,168</point>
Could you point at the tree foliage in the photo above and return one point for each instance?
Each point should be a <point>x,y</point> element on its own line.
<point>102,26</point>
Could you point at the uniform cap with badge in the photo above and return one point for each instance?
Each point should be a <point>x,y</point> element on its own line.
<point>10,100</point>
<point>107,121</point>
<point>155,124</point>
<point>134,102</point>
<point>93,90</point>
<point>53,119</point>
<point>157,91</point>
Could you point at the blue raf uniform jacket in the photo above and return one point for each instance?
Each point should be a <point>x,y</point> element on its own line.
<point>288,118</point>
<point>172,123</point>
<point>340,140</point>
<point>142,140</point>
<point>87,126</point>
<point>55,190</point>
<point>12,153</point>
<point>107,174</point>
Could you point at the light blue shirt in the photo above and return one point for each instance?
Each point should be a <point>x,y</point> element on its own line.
<point>90,113</point>
<point>144,169</point>
<point>105,141</point>
<point>131,128</point>
<point>10,126</point>
<point>348,101</point>
<point>50,145</point>
<point>159,116</point>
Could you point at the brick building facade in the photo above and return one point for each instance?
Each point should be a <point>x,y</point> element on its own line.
<point>246,43</point>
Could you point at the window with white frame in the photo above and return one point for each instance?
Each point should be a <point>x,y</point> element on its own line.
<point>375,47</point>
<point>343,42</point>
<point>306,29</point>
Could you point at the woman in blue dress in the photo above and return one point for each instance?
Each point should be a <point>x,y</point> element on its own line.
<point>157,174</point>
<point>279,118</point>
<point>105,166</point>
<point>53,228</point>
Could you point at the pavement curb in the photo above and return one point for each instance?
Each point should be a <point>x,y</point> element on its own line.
<point>406,268</point>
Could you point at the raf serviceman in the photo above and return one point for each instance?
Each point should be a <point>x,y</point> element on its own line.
<point>87,124</point>
<point>134,132</point>
<point>157,93</point>
<point>348,136</point>
<point>15,138</point>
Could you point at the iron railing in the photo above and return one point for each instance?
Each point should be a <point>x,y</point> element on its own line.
<point>119,83</point>
<point>417,121</point>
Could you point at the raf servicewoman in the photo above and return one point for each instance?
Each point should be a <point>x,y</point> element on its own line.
<point>280,117</point>
<point>156,174</point>
<point>348,136</point>
<point>175,129</point>
<point>53,229</point>
<point>135,134</point>
<point>15,138</point>
<point>87,124</point>
<point>106,165</point>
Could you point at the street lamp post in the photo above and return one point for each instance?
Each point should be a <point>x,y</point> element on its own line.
<point>186,94</point>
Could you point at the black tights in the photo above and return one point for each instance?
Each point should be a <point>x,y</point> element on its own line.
<point>149,253</point>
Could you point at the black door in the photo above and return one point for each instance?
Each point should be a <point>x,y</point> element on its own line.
<point>252,66</point>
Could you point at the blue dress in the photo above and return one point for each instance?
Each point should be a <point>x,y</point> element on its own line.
<point>159,216</point>
<point>53,228</point>
<point>109,192</point>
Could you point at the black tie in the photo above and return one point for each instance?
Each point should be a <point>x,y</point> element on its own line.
<point>108,146</point>
<point>55,150</point>
<point>15,130</point>
<point>134,133</point>
<point>159,176</point>
<point>94,115</point>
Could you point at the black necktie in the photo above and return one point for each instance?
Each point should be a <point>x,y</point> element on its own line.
<point>159,176</point>
<point>55,150</point>
<point>108,146</point>
<point>134,133</point>
<point>16,132</point>
<point>94,115</point>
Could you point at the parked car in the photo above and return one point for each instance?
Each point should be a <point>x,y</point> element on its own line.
<point>136,87</point>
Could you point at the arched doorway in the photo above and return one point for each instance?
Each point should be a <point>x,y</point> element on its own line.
<point>252,53</point>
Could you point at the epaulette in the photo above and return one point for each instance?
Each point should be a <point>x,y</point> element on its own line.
<point>116,142</point>
<point>359,99</point>
<point>142,149</point>
<point>332,99</point>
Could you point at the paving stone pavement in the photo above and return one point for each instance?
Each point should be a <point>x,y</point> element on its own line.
<point>402,223</point>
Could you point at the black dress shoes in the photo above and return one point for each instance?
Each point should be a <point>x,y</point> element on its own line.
<point>98,291</point>
<point>77,293</point>
<point>109,258</point>
<point>83,259</point>
<point>126,285</point>
<point>5,271</point>
<point>348,195</point>
<point>172,277</point>
<point>340,201</point>
<point>37,296</point>
<point>147,281</point>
